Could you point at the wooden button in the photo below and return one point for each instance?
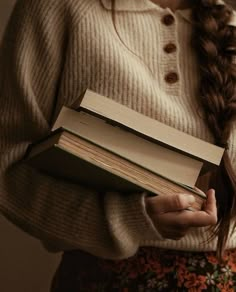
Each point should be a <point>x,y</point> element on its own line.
<point>171,77</point>
<point>170,48</point>
<point>168,19</point>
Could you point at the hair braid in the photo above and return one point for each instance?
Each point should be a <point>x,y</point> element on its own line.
<point>215,44</point>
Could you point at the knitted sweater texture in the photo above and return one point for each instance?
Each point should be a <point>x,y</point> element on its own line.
<point>51,52</point>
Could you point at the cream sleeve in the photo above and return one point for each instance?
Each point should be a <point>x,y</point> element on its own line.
<point>62,214</point>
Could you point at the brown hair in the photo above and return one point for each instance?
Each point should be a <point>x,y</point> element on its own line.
<point>214,42</point>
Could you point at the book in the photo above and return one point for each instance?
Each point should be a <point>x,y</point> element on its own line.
<point>68,156</point>
<point>150,129</point>
<point>153,145</point>
<point>152,156</point>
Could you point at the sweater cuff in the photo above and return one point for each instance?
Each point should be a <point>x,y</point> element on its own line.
<point>149,222</point>
<point>133,226</point>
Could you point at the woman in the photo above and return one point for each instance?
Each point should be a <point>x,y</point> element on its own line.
<point>170,60</point>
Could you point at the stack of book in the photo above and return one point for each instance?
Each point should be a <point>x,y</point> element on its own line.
<point>110,147</point>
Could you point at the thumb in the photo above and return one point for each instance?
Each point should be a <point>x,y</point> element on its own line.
<point>169,203</point>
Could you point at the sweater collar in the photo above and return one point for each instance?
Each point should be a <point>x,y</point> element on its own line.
<point>130,5</point>
<point>146,5</point>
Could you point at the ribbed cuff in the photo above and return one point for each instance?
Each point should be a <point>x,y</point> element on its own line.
<point>129,222</point>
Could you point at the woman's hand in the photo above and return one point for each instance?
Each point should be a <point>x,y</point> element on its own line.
<point>172,220</point>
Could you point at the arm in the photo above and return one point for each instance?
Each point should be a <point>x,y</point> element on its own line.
<point>63,214</point>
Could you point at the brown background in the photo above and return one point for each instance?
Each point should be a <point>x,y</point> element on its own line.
<point>24,265</point>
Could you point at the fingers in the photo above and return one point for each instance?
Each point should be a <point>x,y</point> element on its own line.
<point>171,218</point>
<point>210,205</point>
<point>169,203</point>
<point>208,215</point>
<point>185,218</point>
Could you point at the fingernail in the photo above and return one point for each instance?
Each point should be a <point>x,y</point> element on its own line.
<point>191,199</point>
<point>188,198</point>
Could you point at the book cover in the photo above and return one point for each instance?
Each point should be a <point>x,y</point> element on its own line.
<point>149,128</point>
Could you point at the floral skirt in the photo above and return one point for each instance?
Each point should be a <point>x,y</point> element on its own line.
<point>150,270</point>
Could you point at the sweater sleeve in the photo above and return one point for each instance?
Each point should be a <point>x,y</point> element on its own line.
<point>65,215</point>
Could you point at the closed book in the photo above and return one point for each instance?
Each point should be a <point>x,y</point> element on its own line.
<point>119,140</point>
<point>150,129</point>
<point>68,156</point>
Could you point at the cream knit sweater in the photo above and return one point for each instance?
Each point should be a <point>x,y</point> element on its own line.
<point>51,52</point>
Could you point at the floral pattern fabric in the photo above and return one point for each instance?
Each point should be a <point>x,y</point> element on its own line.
<point>150,270</point>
